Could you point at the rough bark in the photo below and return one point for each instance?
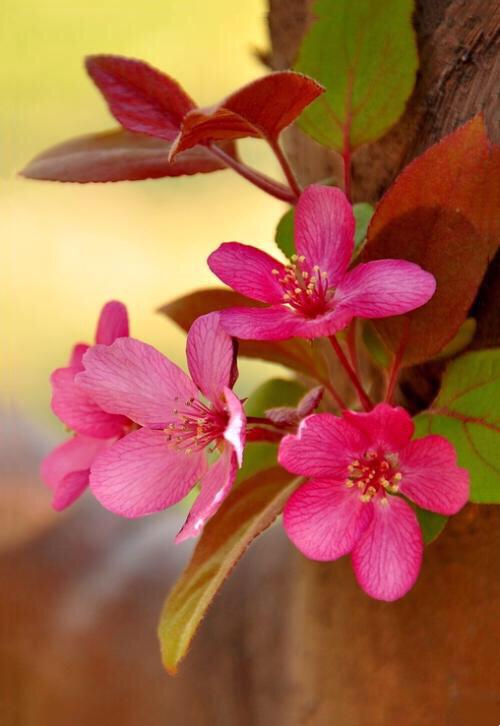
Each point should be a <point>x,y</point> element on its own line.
<point>432,657</point>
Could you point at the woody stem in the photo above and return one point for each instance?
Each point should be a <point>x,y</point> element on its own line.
<point>268,185</point>
<point>363,396</point>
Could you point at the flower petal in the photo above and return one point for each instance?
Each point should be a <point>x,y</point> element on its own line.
<point>72,486</point>
<point>235,433</point>
<point>431,477</point>
<point>324,519</point>
<point>248,271</point>
<point>77,354</point>
<point>215,486</point>
<point>66,469</point>
<point>323,447</point>
<point>211,356</point>
<point>388,556</point>
<point>383,288</point>
<point>273,323</point>
<point>136,380</point>
<point>78,411</point>
<point>112,324</point>
<point>141,474</point>
<point>389,427</point>
<point>324,230</point>
<point>75,454</point>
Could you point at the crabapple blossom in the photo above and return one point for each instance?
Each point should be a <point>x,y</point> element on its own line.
<point>66,469</point>
<point>156,466</point>
<point>315,294</point>
<point>362,467</point>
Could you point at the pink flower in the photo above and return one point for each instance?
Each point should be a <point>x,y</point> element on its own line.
<point>66,469</point>
<point>156,466</point>
<point>315,295</point>
<point>357,464</point>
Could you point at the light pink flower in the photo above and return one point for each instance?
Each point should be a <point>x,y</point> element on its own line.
<point>66,469</point>
<point>315,295</point>
<point>155,467</point>
<point>357,465</point>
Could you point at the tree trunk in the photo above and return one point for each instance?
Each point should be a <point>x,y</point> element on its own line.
<point>432,657</point>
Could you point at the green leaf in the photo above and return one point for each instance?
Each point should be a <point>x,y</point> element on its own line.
<point>284,238</point>
<point>466,412</point>
<point>273,393</point>
<point>284,233</point>
<point>432,524</point>
<point>365,54</point>
<point>363,212</point>
<point>247,512</point>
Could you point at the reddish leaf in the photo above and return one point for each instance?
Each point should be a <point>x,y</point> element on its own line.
<point>140,97</point>
<point>441,212</point>
<point>262,108</point>
<point>247,512</point>
<point>116,156</point>
<point>295,354</point>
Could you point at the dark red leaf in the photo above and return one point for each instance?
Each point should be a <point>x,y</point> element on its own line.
<point>295,354</point>
<point>140,97</point>
<point>116,156</point>
<point>262,108</point>
<point>442,213</point>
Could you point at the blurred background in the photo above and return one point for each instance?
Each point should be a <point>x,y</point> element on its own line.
<point>65,250</point>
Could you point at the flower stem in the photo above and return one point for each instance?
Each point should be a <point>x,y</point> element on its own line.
<point>363,396</point>
<point>397,360</point>
<point>335,395</point>
<point>287,169</point>
<point>268,185</point>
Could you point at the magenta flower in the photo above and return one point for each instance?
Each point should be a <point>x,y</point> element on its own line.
<point>156,466</point>
<point>66,469</point>
<point>358,464</point>
<point>315,295</point>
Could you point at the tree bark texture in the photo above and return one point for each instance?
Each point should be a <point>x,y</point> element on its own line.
<point>432,657</point>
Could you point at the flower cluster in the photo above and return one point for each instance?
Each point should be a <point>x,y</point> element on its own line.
<point>145,433</point>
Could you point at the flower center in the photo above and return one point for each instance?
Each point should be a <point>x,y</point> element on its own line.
<point>197,427</point>
<point>304,291</point>
<point>374,474</point>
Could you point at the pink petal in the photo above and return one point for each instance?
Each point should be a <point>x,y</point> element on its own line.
<point>431,477</point>
<point>248,271</point>
<point>235,433</point>
<point>383,288</point>
<point>273,323</point>
<point>141,474</point>
<point>324,230</point>
<point>215,486</point>
<point>388,556</point>
<point>324,519</point>
<point>323,325</point>
<point>136,380</point>
<point>77,354</point>
<point>323,447</point>
<point>113,323</point>
<point>211,356</point>
<point>78,411</point>
<point>76,454</point>
<point>389,427</point>
<point>72,486</point>
<point>66,469</point>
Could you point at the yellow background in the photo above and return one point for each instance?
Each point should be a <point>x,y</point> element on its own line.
<point>66,249</point>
